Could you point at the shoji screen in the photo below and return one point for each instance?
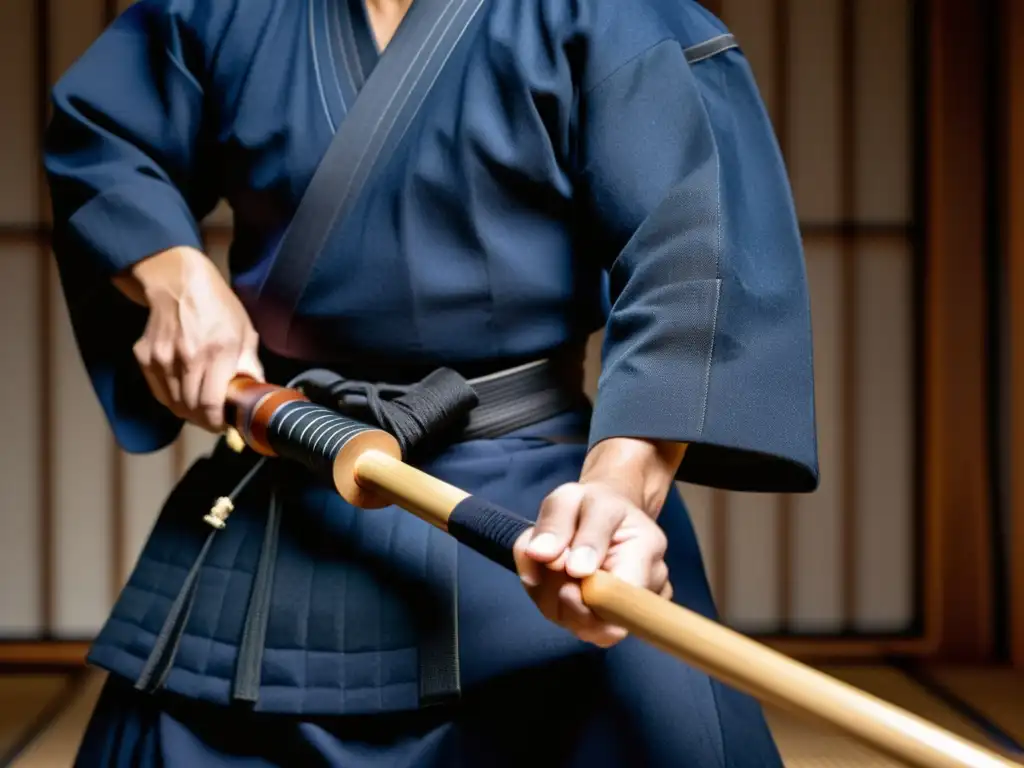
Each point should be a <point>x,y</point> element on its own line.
<point>837,76</point>
<point>838,79</point>
<point>75,510</point>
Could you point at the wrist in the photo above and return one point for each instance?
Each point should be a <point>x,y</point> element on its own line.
<point>642,470</point>
<point>161,274</point>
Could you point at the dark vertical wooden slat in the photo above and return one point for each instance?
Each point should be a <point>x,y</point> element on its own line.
<point>848,300</point>
<point>920,100</point>
<point>784,508</point>
<point>45,320</point>
<point>1013,223</point>
<point>118,516</point>
<point>956,501</point>
<point>782,24</point>
<point>715,6</point>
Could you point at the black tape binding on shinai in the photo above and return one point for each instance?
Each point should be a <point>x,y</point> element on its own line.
<point>487,528</point>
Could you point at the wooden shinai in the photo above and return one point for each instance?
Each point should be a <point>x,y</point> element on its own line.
<point>367,468</point>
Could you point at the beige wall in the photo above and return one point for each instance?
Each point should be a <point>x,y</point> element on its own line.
<point>75,511</point>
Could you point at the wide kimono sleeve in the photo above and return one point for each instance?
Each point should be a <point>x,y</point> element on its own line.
<point>708,340</point>
<point>125,157</point>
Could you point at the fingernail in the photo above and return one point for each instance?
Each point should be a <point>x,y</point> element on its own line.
<point>529,579</point>
<point>545,544</point>
<point>583,560</point>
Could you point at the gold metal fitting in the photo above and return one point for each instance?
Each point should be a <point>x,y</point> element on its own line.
<point>234,440</point>
<point>219,512</point>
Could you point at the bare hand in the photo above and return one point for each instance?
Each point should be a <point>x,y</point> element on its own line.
<point>198,336</point>
<point>582,527</point>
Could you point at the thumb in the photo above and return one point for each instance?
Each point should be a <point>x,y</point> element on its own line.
<point>526,567</point>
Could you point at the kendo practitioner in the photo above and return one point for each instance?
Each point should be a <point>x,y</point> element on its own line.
<point>531,171</point>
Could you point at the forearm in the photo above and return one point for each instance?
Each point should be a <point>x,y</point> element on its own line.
<point>642,470</point>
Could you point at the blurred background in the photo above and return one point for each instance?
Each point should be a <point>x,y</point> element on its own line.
<point>902,123</point>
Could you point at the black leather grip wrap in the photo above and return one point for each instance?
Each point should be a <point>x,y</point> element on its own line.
<point>488,529</point>
<point>311,434</point>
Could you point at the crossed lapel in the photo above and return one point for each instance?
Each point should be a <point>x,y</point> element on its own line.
<point>373,125</point>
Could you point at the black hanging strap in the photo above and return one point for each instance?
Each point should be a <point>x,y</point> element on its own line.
<point>246,685</point>
<point>165,649</point>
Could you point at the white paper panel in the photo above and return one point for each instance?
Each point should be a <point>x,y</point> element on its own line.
<point>752,602</point>
<point>814,138</point>
<point>20,403</point>
<point>82,490</point>
<point>148,479</point>
<point>817,578</point>
<point>19,190</point>
<point>196,442</point>
<point>753,23</point>
<point>74,24</point>
<point>884,513</point>
<point>883,124</point>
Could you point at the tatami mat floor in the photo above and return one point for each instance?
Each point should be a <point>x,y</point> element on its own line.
<point>809,745</point>
<point>42,717</point>
<point>24,701</point>
<point>55,747</point>
<point>995,693</point>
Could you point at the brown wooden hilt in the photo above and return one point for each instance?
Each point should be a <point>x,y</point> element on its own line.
<point>278,421</point>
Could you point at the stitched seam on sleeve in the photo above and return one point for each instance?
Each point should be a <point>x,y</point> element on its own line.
<point>718,262</point>
<point>626,63</point>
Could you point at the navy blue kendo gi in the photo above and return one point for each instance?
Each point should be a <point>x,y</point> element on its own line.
<point>578,164</point>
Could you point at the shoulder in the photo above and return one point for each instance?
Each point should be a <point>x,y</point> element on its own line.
<point>620,32</point>
<point>608,33</point>
<point>200,30</point>
<point>201,18</point>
